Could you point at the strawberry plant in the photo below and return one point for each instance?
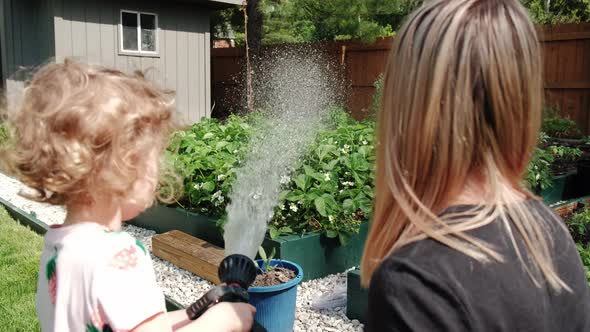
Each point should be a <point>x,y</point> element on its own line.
<point>206,156</point>
<point>330,191</point>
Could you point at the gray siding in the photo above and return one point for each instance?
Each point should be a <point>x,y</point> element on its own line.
<point>26,36</point>
<point>89,30</point>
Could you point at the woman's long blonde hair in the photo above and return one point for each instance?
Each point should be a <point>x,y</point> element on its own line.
<point>462,100</point>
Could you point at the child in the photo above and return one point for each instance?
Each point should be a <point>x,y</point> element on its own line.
<point>457,243</point>
<point>90,138</point>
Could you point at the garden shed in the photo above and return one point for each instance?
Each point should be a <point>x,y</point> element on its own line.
<point>168,39</point>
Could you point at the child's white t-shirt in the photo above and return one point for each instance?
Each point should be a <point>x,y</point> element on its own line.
<point>94,280</point>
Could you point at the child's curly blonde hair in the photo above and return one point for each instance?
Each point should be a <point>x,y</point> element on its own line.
<point>82,131</point>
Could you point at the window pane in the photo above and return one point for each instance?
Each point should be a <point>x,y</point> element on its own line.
<point>148,32</point>
<point>129,23</point>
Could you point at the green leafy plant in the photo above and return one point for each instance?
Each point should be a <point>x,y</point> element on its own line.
<point>565,153</point>
<point>3,134</point>
<point>538,176</point>
<point>559,127</point>
<point>206,156</point>
<point>584,251</point>
<point>330,191</point>
<point>266,259</point>
<point>579,224</point>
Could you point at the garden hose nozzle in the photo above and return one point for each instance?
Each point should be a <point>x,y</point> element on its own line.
<point>237,272</point>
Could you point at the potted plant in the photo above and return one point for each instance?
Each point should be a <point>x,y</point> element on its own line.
<point>274,292</point>
<point>552,170</point>
<point>563,170</point>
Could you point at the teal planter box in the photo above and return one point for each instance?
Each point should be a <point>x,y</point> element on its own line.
<point>357,298</point>
<point>162,219</point>
<point>558,192</point>
<point>317,255</point>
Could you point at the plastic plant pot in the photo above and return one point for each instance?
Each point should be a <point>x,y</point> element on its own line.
<point>275,305</point>
<point>556,192</point>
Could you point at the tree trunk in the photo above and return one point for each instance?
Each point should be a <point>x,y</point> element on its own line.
<point>254,28</point>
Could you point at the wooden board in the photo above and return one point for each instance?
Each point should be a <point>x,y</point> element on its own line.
<point>190,253</point>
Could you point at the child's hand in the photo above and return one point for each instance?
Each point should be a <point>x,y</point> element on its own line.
<point>229,317</point>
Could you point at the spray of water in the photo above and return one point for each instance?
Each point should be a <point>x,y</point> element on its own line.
<point>295,90</point>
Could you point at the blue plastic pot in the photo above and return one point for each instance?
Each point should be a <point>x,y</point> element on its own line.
<point>275,305</point>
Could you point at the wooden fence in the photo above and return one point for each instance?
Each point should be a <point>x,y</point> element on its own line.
<point>567,71</point>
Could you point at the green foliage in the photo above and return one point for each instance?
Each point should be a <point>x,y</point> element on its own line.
<point>584,251</point>
<point>565,153</point>
<point>558,11</point>
<point>538,176</point>
<point>339,19</point>
<point>206,156</point>
<point>331,191</point>
<point>302,21</point>
<point>267,259</point>
<point>579,224</point>
<point>3,134</point>
<point>559,127</point>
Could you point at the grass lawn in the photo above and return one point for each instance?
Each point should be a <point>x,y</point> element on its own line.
<point>20,249</point>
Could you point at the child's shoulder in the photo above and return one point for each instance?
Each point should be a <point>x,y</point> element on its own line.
<point>97,248</point>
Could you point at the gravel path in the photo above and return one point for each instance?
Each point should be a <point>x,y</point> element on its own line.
<point>185,287</point>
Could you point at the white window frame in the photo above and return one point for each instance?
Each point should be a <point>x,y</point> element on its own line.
<point>139,51</point>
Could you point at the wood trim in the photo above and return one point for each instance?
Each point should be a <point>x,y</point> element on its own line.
<point>568,85</point>
<point>189,253</point>
<point>560,36</point>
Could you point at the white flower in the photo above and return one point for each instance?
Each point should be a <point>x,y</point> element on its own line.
<point>256,196</point>
<point>341,191</point>
<point>285,179</point>
<point>346,173</point>
<point>221,177</point>
<point>346,146</point>
<point>198,186</point>
<point>331,218</point>
<point>365,142</point>
<point>344,151</point>
<point>235,151</point>
<point>348,183</point>
<point>293,207</point>
<point>327,177</point>
<point>218,198</point>
<point>282,207</point>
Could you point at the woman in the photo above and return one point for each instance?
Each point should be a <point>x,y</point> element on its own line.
<point>457,243</point>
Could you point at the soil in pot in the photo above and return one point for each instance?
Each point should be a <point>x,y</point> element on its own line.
<point>276,276</point>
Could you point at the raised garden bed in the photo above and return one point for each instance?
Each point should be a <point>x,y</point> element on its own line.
<point>357,297</point>
<point>318,255</point>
